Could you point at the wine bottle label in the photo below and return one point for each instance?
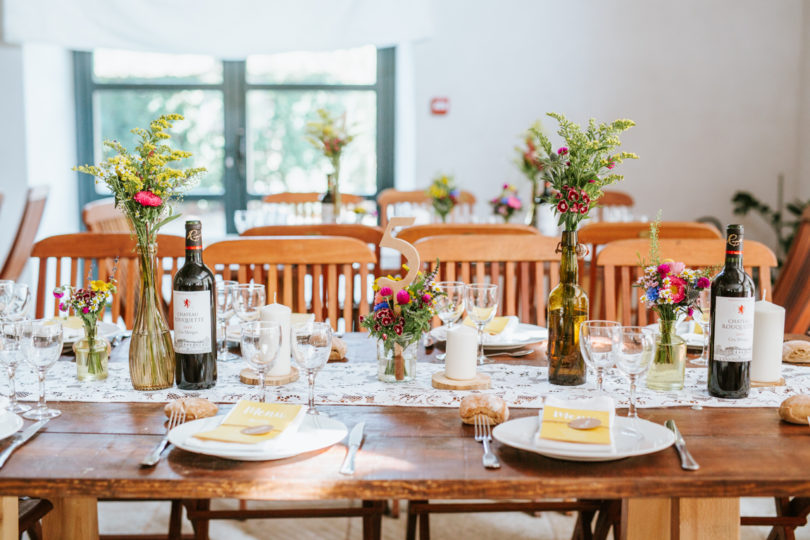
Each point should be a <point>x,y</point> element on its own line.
<point>733,329</point>
<point>192,322</point>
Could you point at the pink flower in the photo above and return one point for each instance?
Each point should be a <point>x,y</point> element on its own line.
<point>704,283</point>
<point>690,311</point>
<point>58,294</point>
<point>611,165</point>
<point>574,209</point>
<point>592,180</point>
<point>663,269</point>
<point>398,330</point>
<point>567,163</point>
<point>562,207</point>
<point>559,195</point>
<point>403,297</point>
<point>583,208</point>
<point>85,310</point>
<point>677,267</point>
<point>386,291</point>
<point>62,307</point>
<point>513,202</point>
<point>677,287</point>
<point>573,195</point>
<point>506,186</point>
<point>562,150</point>
<point>426,298</point>
<point>585,198</point>
<point>147,198</point>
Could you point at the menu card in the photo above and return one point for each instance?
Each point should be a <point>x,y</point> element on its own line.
<point>276,417</point>
<point>558,413</point>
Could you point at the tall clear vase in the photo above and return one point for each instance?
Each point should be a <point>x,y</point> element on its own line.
<point>668,368</point>
<point>567,308</point>
<point>151,354</point>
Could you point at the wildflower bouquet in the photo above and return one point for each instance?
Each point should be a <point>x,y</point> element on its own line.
<point>507,203</point>
<point>144,184</point>
<point>88,304</point>
<point>329,135</point>
<point>578,171</point>
<point>444,195</point>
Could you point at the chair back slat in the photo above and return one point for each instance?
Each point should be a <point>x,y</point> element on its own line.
<point>792,288</point>
<point>27,230</point>
<point>103,216</point>
<point>305,264</point>
<point>622,257</point>
<point>93,255</point>
<point>390,201</point>
<point>520,264</point>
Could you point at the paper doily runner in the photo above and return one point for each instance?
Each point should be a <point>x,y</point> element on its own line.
<point>357,384</point>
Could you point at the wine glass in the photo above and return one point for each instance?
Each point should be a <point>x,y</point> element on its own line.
<point>633,357</point>
<point>41,347</point>
<point>224,297</point>
<point>311,345</point>
<point>702,317</point>
<point>10,341</point>
<point>449,304</point>
<point>599,342</point>
<point>261,341</point>
<point>481,301</point>
<point>14,301</point>
<point>248,299</point>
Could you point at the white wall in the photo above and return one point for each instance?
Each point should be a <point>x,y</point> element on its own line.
<point>713,86</point>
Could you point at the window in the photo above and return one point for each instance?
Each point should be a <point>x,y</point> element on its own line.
<point>245,120</point>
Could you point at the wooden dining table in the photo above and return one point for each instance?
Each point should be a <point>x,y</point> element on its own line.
<point>93,451</point>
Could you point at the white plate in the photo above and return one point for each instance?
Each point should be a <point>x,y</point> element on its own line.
<point>105,330</point>
<point>315,433</point>
<point>520,433</point>
<point>517,338</point>
<point>10,424</point>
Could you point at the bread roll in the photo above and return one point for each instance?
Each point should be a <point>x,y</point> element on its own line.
<point>796,352</point>
<point>195,408</point>
<point>795,409</point>
<point>489,406</point>
<point>338,352</point>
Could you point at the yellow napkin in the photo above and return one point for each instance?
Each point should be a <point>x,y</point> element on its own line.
<point>554,425</point>
<point>73,322</point>
<point>253,413</point>
<point>494,327</point>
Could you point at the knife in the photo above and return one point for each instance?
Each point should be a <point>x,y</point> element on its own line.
<point>687,461</point>
<point>355,440</point>
<point>20,439</point>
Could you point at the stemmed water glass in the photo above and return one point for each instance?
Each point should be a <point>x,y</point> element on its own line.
<point>14,299</point>
<point>481,301</point>
<point>10,342</point>
<point>248,299</point>
<point>702,317</point>
<point>261,341</point>
<point>311,344</point>
<point>599,342</point>
<point>41,347</point>
<point>633,358</point>
<point>449,304</point>
<point>224,298</point>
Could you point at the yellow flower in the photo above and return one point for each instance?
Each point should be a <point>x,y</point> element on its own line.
<point>100,286</point>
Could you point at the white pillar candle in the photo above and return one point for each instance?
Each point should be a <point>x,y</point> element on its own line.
<point>462,353</point>
<point>769,332</point>
<point>281,314</point>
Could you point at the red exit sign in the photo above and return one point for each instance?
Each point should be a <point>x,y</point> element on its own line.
<point>439,105</point>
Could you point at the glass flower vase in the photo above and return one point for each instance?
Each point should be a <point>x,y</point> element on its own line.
<point>151,355</point>
<point>92,356</point>
<point>567,308</point>
<point>669,363</point>
<point>396,358</point>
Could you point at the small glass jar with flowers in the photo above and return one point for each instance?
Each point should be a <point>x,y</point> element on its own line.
<point>92,351</point>
<point>330,135</point>
<point>444,195</point>
<point>507,203</point>
<point>672,291</point>
<point>399,319</point>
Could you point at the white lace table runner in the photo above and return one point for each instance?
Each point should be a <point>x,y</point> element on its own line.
<point>356,383</point>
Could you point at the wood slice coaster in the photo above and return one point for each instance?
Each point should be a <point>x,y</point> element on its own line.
<point>481,381</point>
<point>765,384</point>
<point>248,376</point>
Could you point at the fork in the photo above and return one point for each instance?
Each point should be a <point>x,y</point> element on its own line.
<point>177,417</point>
<point>483,434</point>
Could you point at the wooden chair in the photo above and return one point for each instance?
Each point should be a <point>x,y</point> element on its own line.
<point>26,233</point>
<point>310,274</point>
<point>417,232</point>
<point>102,216</point>
<point>792,288</point>
<point>369,234</point>
<point>620,260</point>
<point>305,205</point>
<point>596,235</point>
<point>79,250</point>
<point>613,199</point>
<point>525,266</point>
<point>392,201</point>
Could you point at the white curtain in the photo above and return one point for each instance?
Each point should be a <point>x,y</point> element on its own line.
<point>226,29</point>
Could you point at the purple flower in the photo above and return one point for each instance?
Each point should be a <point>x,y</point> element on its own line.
<point>386,291</point>
<point>403,297</point>
<point>562,150</point>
